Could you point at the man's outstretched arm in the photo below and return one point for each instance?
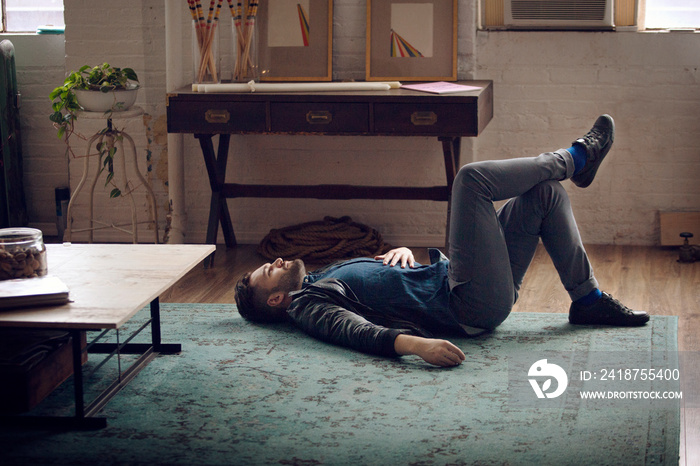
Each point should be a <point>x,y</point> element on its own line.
<point>434,351</point>
<point>322,317</point>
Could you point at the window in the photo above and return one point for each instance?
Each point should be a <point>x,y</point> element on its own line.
<point>29,15</point>
<point>672,14</point>
<point>659,14</point>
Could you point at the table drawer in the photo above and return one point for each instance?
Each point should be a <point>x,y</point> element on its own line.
<point>216,117</point>
<point>319,117</point>
<point>426,119</point>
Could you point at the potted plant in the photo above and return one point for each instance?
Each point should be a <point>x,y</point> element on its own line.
<point>102,88</point>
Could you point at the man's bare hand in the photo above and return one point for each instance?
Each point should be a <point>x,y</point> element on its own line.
<point>438,352</point>
<point>404,256</point>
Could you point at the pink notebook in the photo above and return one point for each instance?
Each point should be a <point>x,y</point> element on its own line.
<point>440,87</point>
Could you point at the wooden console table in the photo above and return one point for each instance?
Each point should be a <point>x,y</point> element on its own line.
<point>396,112</point>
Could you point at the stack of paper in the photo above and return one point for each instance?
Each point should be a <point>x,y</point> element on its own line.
<point>40,291</point>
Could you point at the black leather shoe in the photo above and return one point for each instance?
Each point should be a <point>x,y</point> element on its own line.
<point>597,143</point>
<point>606,311</point>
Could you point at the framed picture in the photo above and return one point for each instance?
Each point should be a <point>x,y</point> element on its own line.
<point>411,40</point>
<point>295,40</point>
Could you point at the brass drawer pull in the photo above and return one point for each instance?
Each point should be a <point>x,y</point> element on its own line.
<point>423,118</point>
<point>217,116</point>
<point>319,117</point>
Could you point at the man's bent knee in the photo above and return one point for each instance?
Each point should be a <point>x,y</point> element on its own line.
<point>471,177</point>
<point>548,194</point>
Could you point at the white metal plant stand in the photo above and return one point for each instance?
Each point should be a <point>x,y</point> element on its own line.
<point>110,139</point>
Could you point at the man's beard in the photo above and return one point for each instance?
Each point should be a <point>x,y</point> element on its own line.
<point>291,281</point>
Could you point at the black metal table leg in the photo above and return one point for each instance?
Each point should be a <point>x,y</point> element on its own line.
<point>78,374</point>
<point>158,346</point>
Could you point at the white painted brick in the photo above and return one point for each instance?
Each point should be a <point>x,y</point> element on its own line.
<point>543,99</point>
<point>647,81</point>
<point>526,75</point>
<point>576,76</point>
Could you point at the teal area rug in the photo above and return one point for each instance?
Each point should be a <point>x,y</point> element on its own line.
<point>242,394</point>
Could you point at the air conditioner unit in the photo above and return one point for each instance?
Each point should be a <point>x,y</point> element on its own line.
<point>559,14</point>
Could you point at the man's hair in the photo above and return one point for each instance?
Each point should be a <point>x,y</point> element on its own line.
<point>252,303</point>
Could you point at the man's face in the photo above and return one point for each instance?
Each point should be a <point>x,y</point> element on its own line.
<point>279,275</point>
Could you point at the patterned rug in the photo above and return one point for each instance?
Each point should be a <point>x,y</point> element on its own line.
<point>242,394</point>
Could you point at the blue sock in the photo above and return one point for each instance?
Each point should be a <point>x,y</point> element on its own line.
<point>578,152</point>
<point>590,298</point>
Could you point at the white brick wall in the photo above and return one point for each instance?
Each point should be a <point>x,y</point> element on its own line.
<point>39,62</point>
<point>549,87</point>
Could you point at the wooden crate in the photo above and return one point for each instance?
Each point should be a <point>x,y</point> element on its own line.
<point>28,379</point>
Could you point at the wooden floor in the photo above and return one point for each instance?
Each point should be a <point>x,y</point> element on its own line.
<point>647,278</point>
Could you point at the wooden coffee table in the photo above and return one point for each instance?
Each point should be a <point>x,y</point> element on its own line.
<point>109,284</point>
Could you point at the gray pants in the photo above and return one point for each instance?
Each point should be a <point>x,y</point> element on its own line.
<point>490,251</point>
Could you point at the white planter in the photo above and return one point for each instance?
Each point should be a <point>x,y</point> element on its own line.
<point>98,101</point>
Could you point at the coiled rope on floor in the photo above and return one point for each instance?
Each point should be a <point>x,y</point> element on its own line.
<point>323,242</point>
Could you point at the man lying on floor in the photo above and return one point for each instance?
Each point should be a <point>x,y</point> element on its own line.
<point>390,305</point>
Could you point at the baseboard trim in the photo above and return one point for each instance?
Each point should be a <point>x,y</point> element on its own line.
<point>244,237</point>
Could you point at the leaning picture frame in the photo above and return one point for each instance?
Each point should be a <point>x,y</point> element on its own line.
<point>411,40</point>
<point>295,40</point>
